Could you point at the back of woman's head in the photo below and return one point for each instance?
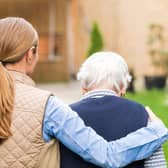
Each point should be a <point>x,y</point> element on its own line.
<point>17,36</point>
<point>105,69</point>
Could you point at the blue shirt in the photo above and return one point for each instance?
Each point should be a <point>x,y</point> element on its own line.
<point>64,124</point>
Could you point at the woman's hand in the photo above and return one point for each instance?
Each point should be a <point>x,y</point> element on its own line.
<point>152,116</point>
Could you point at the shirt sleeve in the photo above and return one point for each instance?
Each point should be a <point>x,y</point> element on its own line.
<point>64,124</point>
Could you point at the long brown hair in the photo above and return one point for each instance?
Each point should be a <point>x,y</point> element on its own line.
<point>6,102</point>
<point>16,37</point>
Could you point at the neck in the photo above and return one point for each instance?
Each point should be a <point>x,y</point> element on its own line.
<point>84,91</point>
<point>16,67</point>
<point>104,87</point>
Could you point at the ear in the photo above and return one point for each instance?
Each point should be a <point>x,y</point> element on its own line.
<point>84,90</point>
<point>122,92</point>
<point>29,57</point>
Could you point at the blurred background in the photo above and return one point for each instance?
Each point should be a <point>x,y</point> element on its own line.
<point>70,30</point>
<point>65,28</point>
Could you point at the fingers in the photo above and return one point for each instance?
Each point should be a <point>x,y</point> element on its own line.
<point>152,116</point>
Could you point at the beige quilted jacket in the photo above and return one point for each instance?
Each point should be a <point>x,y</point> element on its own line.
<point>26,148</point>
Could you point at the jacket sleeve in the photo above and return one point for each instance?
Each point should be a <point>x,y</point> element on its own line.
<point>64,124</point>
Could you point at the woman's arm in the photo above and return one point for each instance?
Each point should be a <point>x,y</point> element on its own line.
<point>64,124</point>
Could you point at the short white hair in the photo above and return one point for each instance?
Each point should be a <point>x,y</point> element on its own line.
<point>104,68</point>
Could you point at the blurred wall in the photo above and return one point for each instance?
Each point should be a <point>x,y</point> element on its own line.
<point>49,17</point>
<point>134,18</point>
<point>103,12</point>
<point>124,25</point>
<point>64,27</point>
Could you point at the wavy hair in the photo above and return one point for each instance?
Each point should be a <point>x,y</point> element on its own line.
<point>104,69</point>
<point>6,102</point>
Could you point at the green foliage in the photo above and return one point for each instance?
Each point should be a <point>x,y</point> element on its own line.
<point>96,40</point>
<point>155,33</point>
<point>156,46</point>
<point>157,100</point>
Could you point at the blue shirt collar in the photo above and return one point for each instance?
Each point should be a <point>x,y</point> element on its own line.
<point>98,93</point>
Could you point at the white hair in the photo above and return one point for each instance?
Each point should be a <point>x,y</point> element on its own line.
<point>104,68</point>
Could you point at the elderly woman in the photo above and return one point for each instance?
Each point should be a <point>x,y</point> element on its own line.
<point>31,119</point>
<point>104,79</point>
